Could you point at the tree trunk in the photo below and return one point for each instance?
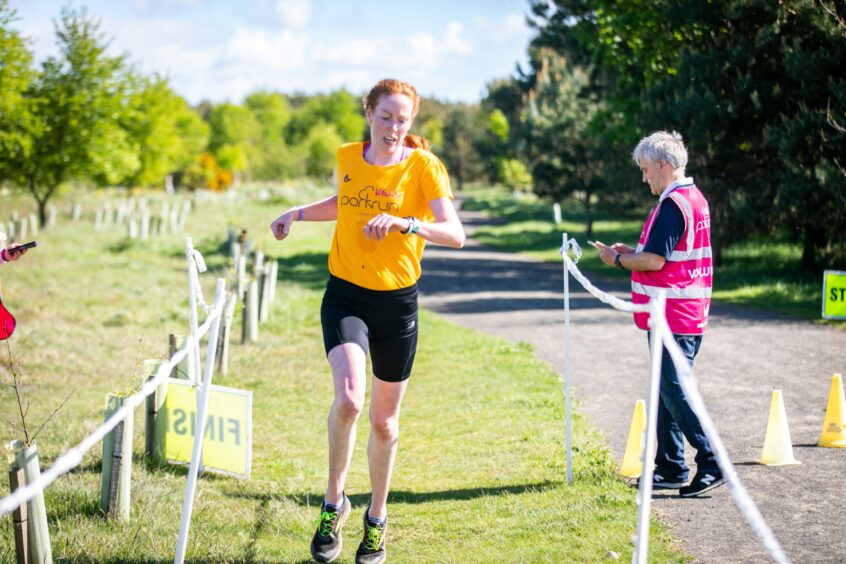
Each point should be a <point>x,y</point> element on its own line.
<point>42,213</point>
<point>813,240</point>
<point>588,216</point>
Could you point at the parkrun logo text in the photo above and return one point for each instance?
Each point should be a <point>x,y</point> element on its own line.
<point>366,199</point>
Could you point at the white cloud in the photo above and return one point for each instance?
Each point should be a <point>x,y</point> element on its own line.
<point>259,49</point>
<point>453,42</point>
<point>418,50</point>
<point>509,25</point>
<point>295,14</point>
<point>146,6</point>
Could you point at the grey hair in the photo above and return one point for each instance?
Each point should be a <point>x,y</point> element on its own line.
<point>662,146</point>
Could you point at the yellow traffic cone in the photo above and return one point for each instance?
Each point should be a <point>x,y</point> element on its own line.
<point>778,450</point>
<point>633,459</point>
<point>834,428</point>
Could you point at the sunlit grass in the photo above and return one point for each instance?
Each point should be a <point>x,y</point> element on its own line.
<point>480,474</point>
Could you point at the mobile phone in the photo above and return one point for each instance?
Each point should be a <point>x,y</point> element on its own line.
<point>25,246</point>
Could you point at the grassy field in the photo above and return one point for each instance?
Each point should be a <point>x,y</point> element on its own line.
<point>480,474</point>
<point>756,274</point>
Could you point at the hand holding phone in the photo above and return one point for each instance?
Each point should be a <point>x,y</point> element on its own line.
<point>24,246</point>
<point>14,252</point>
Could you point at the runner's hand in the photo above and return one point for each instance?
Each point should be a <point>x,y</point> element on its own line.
<point>281,226</point>
<point>379,226</point>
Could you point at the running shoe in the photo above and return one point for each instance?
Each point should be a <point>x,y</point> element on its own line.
<point>372,547</point>
<point>327,541</point>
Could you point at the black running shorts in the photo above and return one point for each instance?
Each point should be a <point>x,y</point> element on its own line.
<point>383,322</point>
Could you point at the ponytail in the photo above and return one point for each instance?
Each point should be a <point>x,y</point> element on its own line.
<point>417,142</point>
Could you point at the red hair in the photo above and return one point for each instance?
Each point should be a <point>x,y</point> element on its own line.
<point>390,86</point>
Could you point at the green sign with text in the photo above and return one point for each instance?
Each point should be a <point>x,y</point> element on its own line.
<point>834,294</point>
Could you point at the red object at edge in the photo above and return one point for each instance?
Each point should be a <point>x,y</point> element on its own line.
<point>7,322</point>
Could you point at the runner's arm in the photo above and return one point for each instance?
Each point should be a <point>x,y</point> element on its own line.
<point>322,210</point>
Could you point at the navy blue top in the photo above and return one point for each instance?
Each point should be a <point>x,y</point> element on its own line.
<point>667,230</point>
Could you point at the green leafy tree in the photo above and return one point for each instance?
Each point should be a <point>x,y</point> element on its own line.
<point>321,145</point>
<point>433,130</point>
<point>16,75</point>
<point>560,113</point>
<point>235,131</point>
<point>76,104</point>
<point>269,156</point>
<point>463,128</point>
<point>169,134</point>
<point>339,109</point>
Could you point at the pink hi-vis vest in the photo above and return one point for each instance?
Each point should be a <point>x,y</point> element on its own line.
<point>688,275</point>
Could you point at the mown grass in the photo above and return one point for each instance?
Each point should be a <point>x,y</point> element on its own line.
<point>480,475</point>
<point>755,274</point>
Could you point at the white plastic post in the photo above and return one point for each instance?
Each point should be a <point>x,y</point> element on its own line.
<point>644,494</point>
<point>567,366</point>
<point>196,451</point>
<point>145,224</point>
<point>193,280</point>
<point>556,212</point>
<point>274,276</point>
<point>264,297</point>
<point>165,215</point>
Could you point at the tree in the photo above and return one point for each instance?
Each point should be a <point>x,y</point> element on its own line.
<point>269,156</point>
<point>560,112</point>
<point>339,109</point>
<point>168,133</point>
<point>15,78</point>
<point>463,128</point>
<point>76,103</point>
<point>321,144</point>
<point>234,130</point>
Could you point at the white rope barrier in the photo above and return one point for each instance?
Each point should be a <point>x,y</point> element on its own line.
<point>661,329</point>
<point>73,457</point>
<point>741,497</point>
<point>613,301</point>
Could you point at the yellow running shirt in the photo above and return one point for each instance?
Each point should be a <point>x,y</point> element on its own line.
<point>364,191</point>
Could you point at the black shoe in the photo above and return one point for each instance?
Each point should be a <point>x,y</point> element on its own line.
<point>662,482</point>
<point>703,482</point>
<point>327,541</point>
<point>372,547</point>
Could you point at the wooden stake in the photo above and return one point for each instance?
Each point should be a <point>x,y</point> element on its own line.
<point>19,517</point>
<point>117,464</point>
<point>151,367</point>
<point>250,323</point>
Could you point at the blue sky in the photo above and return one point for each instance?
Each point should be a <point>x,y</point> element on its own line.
<point>221,50</point>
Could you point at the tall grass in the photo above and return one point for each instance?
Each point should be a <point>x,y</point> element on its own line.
<point>480,474</point>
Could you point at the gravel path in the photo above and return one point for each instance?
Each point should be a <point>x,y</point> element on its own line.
<point>744,356</point>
